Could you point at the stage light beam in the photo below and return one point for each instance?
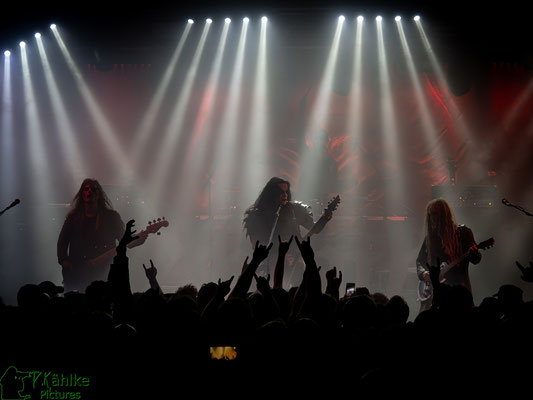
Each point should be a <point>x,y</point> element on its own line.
<point>36,144</point>
<point>147,123</point>
<point>8,170</point>
<point>202,140</point>
<point>76,163</point>
<point>428,124</point>
<point>256,141</point>
<point>319,116</point>
<point>104,129</point>
<point>226,168</point>
<point>173,132</point>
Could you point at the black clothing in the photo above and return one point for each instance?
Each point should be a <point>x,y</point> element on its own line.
<point>458,275</point>
<point>258,225</point>
<point>83,238</point>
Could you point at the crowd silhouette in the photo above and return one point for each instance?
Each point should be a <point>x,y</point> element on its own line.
<point>264,336</point>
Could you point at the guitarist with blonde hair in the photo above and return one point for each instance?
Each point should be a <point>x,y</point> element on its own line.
<point>445,242</point>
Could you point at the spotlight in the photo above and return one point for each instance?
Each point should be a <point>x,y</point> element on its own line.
<point>246,20</point>
<point>53,26</point>
<point>360,18</point>
<point>37,35</point>
<point>378,18</point>
<point>209,20</point>
<point>341,18</point>
<point>22,44</point>
<point>417,18</point>
<point>228,20</point>
<point>7,53</point>
<point>398,18</point>
<point>264,19</point>
<point>190,21</point>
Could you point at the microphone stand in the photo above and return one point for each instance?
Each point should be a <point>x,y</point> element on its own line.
<point>509,204</point>
<point>274,225</point>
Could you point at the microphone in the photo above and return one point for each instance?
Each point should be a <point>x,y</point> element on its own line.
<point>519,208</point>
<point>15,202</point>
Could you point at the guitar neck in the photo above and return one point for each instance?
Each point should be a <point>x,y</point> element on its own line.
<point>481,246</point>
<point>314,229</point>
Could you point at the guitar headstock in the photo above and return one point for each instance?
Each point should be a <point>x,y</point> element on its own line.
<point>486,244</point>
<point>333,203</point>
<point>155,225</point>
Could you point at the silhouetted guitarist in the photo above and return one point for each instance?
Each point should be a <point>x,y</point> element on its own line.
<point>85,247</point>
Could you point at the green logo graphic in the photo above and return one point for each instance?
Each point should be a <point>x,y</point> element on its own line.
<point>45,385</point>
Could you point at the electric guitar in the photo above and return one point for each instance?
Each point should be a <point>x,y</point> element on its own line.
<point>79,264</point>
<point>425,288</point>
<point>319,225</point>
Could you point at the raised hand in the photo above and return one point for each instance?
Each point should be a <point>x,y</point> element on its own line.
<point>128,234</point>
<point>151,272</point>
<point>283,247</point>
<point>224,287</point>
<point>333,282</point>
<point>263,284</point>
<point>527,272</point>
<point>260,252</point>
<point>306,250</point>
<point>331,277</point>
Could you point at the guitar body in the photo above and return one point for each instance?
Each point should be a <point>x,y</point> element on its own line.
<point>85,270</point>
<point>425,289</point>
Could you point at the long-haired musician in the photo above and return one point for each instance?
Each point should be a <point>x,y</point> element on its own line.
<point>446,241</point>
